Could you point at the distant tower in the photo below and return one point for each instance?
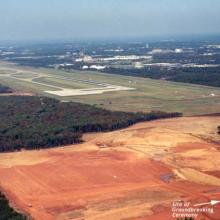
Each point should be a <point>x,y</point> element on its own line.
<point>81,53</point>
<point>147,46</point>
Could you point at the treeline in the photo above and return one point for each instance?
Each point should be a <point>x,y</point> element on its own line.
<point>40,122</point>
<point>6,212</point>
<point>39,62</point>
<point>209,76</point>
<point>148,72</point>
<point>5,89</point>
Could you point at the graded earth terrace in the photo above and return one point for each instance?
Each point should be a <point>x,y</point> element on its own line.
<point>134,173</point>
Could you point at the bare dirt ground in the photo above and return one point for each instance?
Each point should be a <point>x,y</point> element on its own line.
<point>133,174</point>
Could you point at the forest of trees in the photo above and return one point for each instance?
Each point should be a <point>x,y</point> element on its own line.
<point>6,212</point>
<point>40,122</point>
<point>202,76</point>
<point>5,89</point>
<point>209,76</point>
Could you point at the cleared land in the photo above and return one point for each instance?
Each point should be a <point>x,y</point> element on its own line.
<point>113,92</point>
<point>134,173</point>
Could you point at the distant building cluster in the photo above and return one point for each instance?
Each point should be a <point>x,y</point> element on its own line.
<point>95,67</point>
<point>118,57</point>
<point>89,59</point>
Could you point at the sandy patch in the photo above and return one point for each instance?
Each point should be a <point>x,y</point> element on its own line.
<point>197,177</point>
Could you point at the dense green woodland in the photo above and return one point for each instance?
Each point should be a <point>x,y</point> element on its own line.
<point>6,212</point>
<point>209,76</point>
<point>202,76</point>
<point>5,89</point>
<point>40,122</point>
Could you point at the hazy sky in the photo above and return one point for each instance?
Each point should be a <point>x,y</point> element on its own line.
<point>75,19</point>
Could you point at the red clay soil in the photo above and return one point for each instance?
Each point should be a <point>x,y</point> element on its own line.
<point>135,173</point>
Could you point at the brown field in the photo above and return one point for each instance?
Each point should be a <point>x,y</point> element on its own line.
<point>133,174</point>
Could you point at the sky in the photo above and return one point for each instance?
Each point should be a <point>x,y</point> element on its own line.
<point>91,19</point>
